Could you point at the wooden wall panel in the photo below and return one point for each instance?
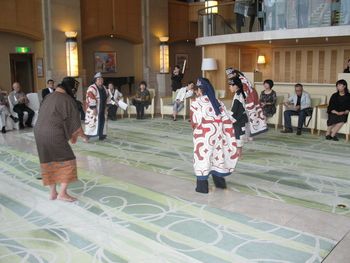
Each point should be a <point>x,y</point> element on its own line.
<point>321,66</point>
<point>22,17</point>
<point>298,63</point>
<point>101,18</point>
<point>316,64</point>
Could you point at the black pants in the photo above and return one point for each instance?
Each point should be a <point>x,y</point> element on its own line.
<point>81,109</point>
<point>101,124</point>
<point>239,22</point>
<point>112,112</point>
<point>140,108</point>
<point>20,109</point>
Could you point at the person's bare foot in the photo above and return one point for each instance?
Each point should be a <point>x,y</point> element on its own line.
<point>53,195</point>
<point>66,197</point>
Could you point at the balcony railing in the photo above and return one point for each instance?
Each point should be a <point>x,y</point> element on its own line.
<point>256,15</point>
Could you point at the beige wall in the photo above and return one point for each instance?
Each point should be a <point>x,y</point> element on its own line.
<point>7,46</point>
<point>127,56</point>
<point>64,16</point>
<point>193,68</point>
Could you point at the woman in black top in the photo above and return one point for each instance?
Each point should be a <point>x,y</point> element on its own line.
<point>268,98</point>
<point>176,79</point>
<point>338,110</point>
<point>347,69</point>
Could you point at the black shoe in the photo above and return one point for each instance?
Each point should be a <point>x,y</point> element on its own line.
<point>103,137</point>
<point>14,119</point>
<point>219,182</point>
<point>174,119</point>
<point>299,132</point>
<point>3,130</point>
<point>29,125</point>
<point>328,137</point>
<point>202,186</point>
<point>287,131</point>
<point>335,138</point>
<point>21,126</point>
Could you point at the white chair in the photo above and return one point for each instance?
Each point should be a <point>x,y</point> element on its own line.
<point>316,100</point>
<point>150,110</point>
<point>322,117</point>
<point>34,104</point>
<point>166,106</point>
<point>9,125</point>
<point>276,119</point>
<point>120,111</point>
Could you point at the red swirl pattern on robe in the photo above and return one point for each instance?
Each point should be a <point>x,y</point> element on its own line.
<point>257,119</point>
<point>215,148</point>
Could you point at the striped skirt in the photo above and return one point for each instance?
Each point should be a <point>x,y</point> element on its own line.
<point>59,172</point>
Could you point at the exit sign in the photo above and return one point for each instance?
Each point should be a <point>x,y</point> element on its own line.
<point>22,49</point>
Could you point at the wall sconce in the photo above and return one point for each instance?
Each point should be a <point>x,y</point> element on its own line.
<point>72,54</point>
<point>164,55</point>
<point>261,60</point>
<point>209,4</point>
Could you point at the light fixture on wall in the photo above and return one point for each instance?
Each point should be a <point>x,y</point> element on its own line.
<point>164,55</point>
<point>261,60</point>
<point>72,54</point>
<point>211,7</point>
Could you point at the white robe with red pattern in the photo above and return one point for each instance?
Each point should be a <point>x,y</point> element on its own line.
<point>215,149</point>
<point>257,120</point>
<point>91,120</point>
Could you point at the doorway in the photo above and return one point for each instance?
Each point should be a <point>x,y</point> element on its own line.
<point>22,71</point>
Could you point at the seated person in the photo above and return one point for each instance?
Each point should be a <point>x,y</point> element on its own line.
<point>4,111</point>
<point>20,101</point>
<point>141,100</point>
<point>49,89</point>
<point>115,96</point>
<point>182,94</point>
<point>268,99</point>
<point>338,110</point>
<point>298,104</point>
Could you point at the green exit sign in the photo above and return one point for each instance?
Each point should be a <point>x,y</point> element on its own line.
<point>22,49</point>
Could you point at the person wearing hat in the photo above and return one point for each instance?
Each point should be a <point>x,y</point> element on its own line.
<point>238,111</point>
<point>215,149</point>
<point>97,98</point>
<point>256,119</point>
<point>58,123</point>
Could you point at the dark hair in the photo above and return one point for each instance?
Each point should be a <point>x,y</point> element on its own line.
<point>236,81</point>
<point>50,80</point>
<point>143,83</point>
<point>343,82</point>
<point>110,82</point>
<point>190,82</point>
<point>269,82</point>
<point>177,66</point>
<point>69,84</point>
<point>298,85</point>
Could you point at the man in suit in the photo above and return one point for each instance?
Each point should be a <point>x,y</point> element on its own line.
<point>50,88</point>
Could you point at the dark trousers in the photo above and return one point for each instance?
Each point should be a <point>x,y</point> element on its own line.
<point>239,22</point>
<point>101,124</point>
<point>140,108</point>
<point>20,109</point>
<point>287,118</point>
<point>81,110</point>
<point>112,112</point>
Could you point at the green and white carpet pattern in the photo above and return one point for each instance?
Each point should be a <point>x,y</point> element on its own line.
<point>115,221</point>
<point>302,170</point>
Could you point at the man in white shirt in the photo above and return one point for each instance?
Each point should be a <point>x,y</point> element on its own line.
<point>49,89</point>
<point>298,104</point>
<point>182,94</point>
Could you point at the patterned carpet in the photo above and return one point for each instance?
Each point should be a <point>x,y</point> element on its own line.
<point>115,221</point>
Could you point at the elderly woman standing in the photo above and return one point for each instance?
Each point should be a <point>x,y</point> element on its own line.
<point>97,98</point>
<point>58,122</point>
<point>215,149</point>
